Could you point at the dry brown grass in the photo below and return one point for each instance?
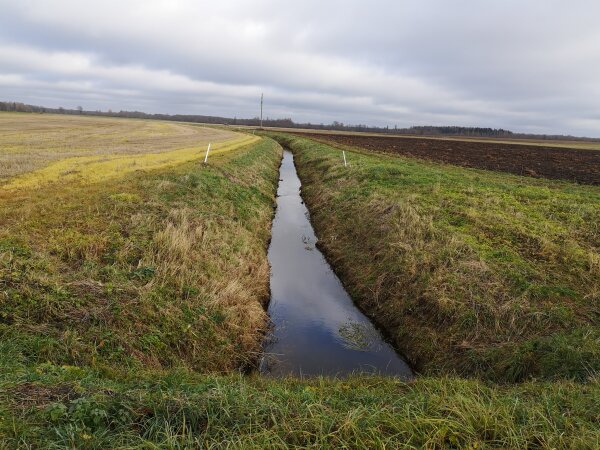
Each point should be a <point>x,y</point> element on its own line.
<point>31,141</point>
<point>191,250</point>
<point>160,268</point>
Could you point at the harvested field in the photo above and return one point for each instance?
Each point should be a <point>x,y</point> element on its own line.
<point>582,166</point>
<point>30,142</point>
<point>123,258</point>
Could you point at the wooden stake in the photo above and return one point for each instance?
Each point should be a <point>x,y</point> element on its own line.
<point>206,157</point>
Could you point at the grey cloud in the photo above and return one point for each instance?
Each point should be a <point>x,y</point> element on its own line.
<point>525,65</point>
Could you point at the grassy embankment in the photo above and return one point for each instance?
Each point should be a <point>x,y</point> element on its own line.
<point>470,271</point>
<point>154,268</point>
<point>50,406</point>
<point>119,296</point>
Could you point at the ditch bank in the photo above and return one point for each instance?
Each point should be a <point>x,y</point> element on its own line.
<point>316,328</point>
<point>441,258</point>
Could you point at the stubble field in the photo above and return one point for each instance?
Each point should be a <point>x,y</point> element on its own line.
<point>67,147</point>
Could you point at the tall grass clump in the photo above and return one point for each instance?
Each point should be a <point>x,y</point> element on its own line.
<point>66,407</point>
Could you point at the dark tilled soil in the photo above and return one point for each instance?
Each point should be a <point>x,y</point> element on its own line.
<point>582,166</point>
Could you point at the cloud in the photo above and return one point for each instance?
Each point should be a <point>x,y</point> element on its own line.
<point>524,65</point>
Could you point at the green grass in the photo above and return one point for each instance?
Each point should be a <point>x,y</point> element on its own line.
<point>50,406</point>
<point>129,306</point>
<point>470,271</point>
<point>157,269</point>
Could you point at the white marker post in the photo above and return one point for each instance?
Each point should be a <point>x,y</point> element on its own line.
<point>344,154</point>
<point>206,157</point>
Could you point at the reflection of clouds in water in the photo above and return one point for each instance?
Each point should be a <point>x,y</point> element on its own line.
<point>305,301</point>
<point>360,336</point>
<point>318,329</point>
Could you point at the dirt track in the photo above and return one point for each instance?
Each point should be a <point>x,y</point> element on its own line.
<point>582,166</point>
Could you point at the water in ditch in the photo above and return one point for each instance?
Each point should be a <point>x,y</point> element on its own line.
<point>316,328</point>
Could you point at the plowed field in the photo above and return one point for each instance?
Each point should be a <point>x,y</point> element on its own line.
<point>582,166</point>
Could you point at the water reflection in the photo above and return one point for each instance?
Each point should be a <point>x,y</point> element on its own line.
<point>316,327</point>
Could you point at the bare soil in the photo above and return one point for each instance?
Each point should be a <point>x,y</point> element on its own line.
<point>582,166</point>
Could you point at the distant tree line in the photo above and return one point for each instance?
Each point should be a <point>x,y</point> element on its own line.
<point>289,123</point>
<point>458,131</point>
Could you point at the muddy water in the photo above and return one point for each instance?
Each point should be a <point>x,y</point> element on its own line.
<point>317,330</point>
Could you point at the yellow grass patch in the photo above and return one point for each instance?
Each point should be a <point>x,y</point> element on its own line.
<point>30,142</point>
<point>92,169</point>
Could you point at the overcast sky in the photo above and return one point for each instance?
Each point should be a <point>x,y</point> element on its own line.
<point>524,65</point>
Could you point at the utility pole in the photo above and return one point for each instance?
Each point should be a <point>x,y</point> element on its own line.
<point>261,107</point>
